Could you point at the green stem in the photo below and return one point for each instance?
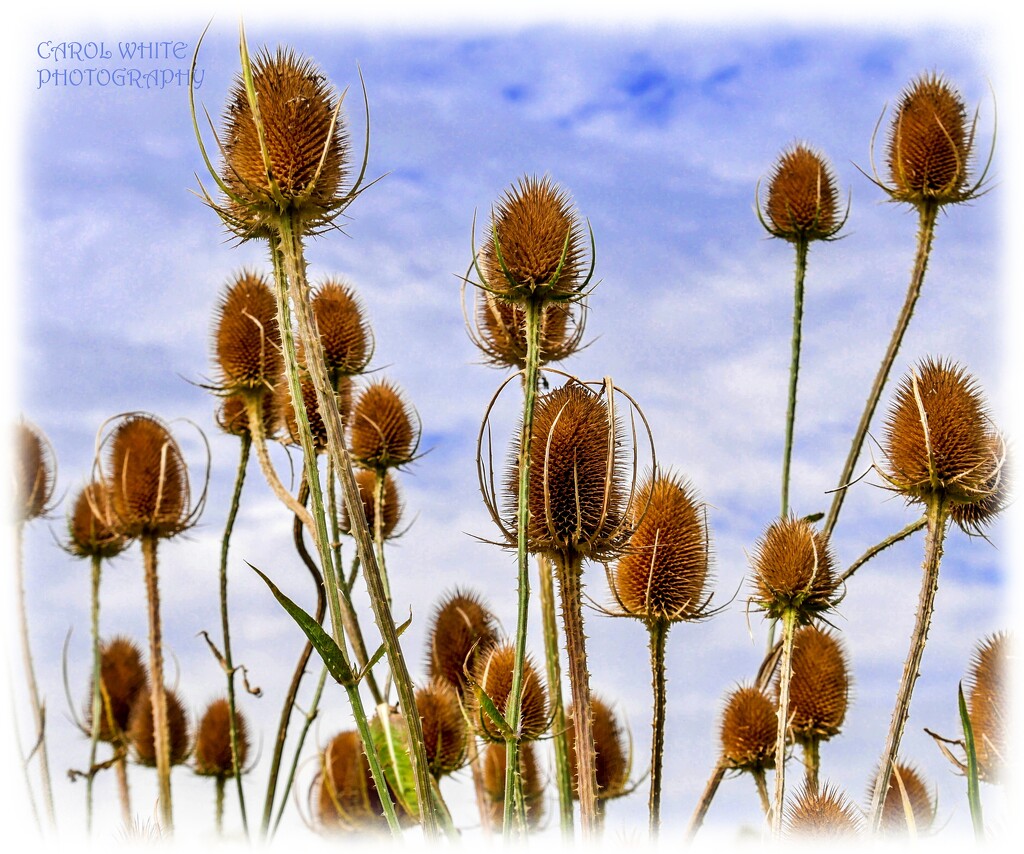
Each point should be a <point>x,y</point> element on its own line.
<point>97,695</point>
<point>704,804</point>
<point>219,804</point>
<point>925,235</point>
<point>937,514</point>
<point>378,529</point>
<point>812,761</point>
<point>785,674</point>
<point>659,634</point>
<point>794,367</point>
<point>762,791</point>
<point>158,695</point>
<point>912,528</point>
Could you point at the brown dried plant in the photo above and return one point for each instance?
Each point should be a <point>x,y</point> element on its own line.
<point>213,741</point>
<point>802,202</point>
<point>907,789</point>
<point>445,734</point>
<point>492,681</point>
<point>823,813</point>
<point>346,798</point>
<point>345,333</point>
<point>612,753</point>
<point>462,628</point>
<point>494,783</point>
<point>382,431</point>
<point>142,733</point>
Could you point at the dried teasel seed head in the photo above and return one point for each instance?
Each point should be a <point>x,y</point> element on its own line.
<point>91,529</point>
<point>122,677</point>
<point>987,692</point>
<point>974,518</point>
<point>246,338</point>
<point>33,469</point>
<point>930,144</point>
<point>298,163</point>
<point>492,674</point>
<point>346,797</point>
<point>462,629</point>
<point>794,570</point>
<point>749,729</point>
<point>938,438</point>
<point>148,479</point>
<point>578,490</point>
<point>612,757</point>
<point>233,415</point>
<point>819,686</point>
<point>343,328</point>
<point>539,237</point>
<point>289,428</point>
<point>445,737</point>
<point>664,573</point>
<point>382,433</point>
<point>894,817</point>
<point>801,203</point>
<point>213,741</point>
<point>494,783</point>
<point>141,733</point>
<point>391,505</point>
<point>824,812</point>
<point>501,331</point>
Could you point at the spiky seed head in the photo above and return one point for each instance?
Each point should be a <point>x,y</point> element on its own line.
<point>289,428</point>
<point>366,480</point>
<point>302,161</point>
<point>445,737</point>
<point>974,518</point>
<point>233,415</point>
<point>492,674</point>
<point>664,574</point>
<point>937,436</point>
<point>122,676</point>
<point>986,689</point>
<point>343,328</point>
<point>930,142</point>
<point>33,470</point>
<point>462,628</point>
<point>802,203</point>
<point>494,782</point>
<point>578,490</point>
<point>823,812</point>
<point>749,729</point>
<point>539,237</point>
<point>794,570</point>
<point>213,741</point>
<point>383,434</point>
<point>346,797</point>
<point>148,479</point>
<point>611,755</point>
<point>894,816</point>
<point>141,733</point>
<point>246,338</point>
<point>819,686</point>
<point>91,528</point>
<point>501,331</point>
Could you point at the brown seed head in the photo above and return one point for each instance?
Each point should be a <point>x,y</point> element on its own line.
<point>213,741</point>
<point>286,411</point>
<point>140,728</point>
<point>539,237</point>
<point>34,472</point>
<point>444,727</point>
<point>494,782</point>
<point>974,518</point>
<point>894,817</point>
<point>366,480</point>
<point>793,570</point>
<point>663,576</point>
<point>344,330</point>
<point>382,432</point>
<point>91,529</point>
<point>824,812</point>
<point>233,416</point>
<point>122,677</point>
<point>612,759</point>
<point>802,197</point>
<point>492,674</point>
<point>938,437</point>
<point>247,341</point>
<point>749,729</point>
<point>820,685</point>
<point>501,331</point>
<point>301,163</point>
<point>347,799</point>
<point>986,688</point>
<point>930,142</point>
<point>461,629</point>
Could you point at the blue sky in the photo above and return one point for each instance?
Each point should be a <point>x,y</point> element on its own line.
<point>660,129</point>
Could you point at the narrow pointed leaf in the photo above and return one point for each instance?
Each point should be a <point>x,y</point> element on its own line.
<point>973,792</point>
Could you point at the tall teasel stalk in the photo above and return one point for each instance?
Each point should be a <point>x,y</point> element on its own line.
<point>929,153</point>
<point>941,452</point>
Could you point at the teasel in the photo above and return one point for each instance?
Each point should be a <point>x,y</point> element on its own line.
<point>908,806</point>
<point>938,452</point>
<point>345,332</point>
<point>150,499</point>
<point>445,735</point>
<point>823,813</point>
<point>491,682</point>
<point>221,749</point>
<point>749,743</point>
<point>142,734</point>
<point>662,579</point>
<point>495,779</point>
<point>34,471</point>
<point>346,795</point>
<point>613,756</point>
<point>929,153</point>
<point>819,694</point>
<point>795,583</point>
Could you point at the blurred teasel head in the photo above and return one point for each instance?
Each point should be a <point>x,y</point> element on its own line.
<point>823,812</point>
<point>748,730</point>
<point>91,532</point>
<point>246,338</point>
<point>794,571</point>
<point>498,330</point>
<point>611,752</point>
<point>123,676</point>
<point>391,505</point>
<point>344,331</point>
<point>346,796</point>
<point>801,203</point>
<point>461,630</point>
<point>819,688</point>
<point>445,737</point>
<point>906,780</point>
<point>987,691</point>
<point>492,676</point>
<point>494,782</point>
<point>34,472</point>
<point>213,741</point>
<point>141,733</point>
<point>232,415</point>
<point>383,434</point>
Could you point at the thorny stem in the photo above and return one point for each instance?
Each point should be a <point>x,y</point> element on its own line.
<point>762,791</point>
<point>785,674</point>
<point>121,769</point>
<point>219,804</point>
<point>937,514</point>
<point>97,694</point>
<point>912,528</point>
<point>659,634</point>
<point>812,761</point>
<point>158,695</point>
<point>925,234</point>
<point>794,368</point>
<point>378,529</point>
<point>707,796</point>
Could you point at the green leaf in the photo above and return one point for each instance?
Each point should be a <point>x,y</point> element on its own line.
<point>323,643</point>
<point>973,790</point>
<point>814,517</point>
<point>382,649</point>
<point>391,741</point>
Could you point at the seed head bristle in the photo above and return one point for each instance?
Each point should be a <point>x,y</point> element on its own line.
<point>974,518</point>
<point>382,431</point>
<point>91,528</point>
<point>141,733</point>
<point>492,674</point>
<point>802,202</point>
<point>34,472</point>
<point>894,817</point>
<point>749,728</point>
<point>823,812</point>
<point>501,332</point>
<point>820,685</point>
<point>794,570</point>
<point>213,741</point>
<point>343,328</point>
<point>347,799</point>
<point>123,676</point>
<point>494,782</point>
<point>366,480</point>
<point>986,688</point>
<point>444,727</point>
<point>247,341</point>
<point>462,628</point>
<point>611,757</point>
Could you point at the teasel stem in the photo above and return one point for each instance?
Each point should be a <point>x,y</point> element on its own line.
<point>476,767</point>
<point>789,619</point>
<point>38,712</point>
<point>902,534</point>
<point>938,516</point>
<point>794,367</point>
<point>762,791</point>
<point>658,630</point>
<point>124,793</point>
<point>549,620</point>
<point>229,667</point>
<point>378,529</point>
<point>569,566</point>
<point>219,803</point>
<point>812,761</point>
<point>161,735</point>
<point>286,248</point>
<point>928,212</point>
<point>704,804</point>
<point>97,694</point>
